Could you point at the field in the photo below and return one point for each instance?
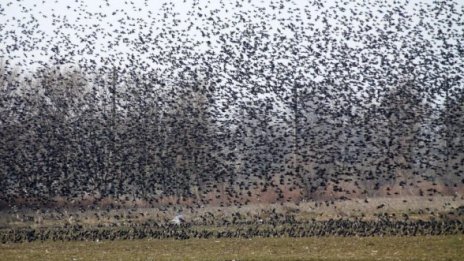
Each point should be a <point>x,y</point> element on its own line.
<point>259,233</point>
<point>323,248</point>
<point>423,208</point>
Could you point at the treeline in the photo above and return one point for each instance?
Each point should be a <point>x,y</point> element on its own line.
<point>260,114</point>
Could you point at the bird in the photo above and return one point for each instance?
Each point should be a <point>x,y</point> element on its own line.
<point>178,219</point>
<point>230,104</point>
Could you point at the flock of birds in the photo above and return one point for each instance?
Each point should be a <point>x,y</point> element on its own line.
<point>231,103</point>
<point>285,228</point>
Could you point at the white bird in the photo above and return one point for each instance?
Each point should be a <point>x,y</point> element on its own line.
<point>178,219</point>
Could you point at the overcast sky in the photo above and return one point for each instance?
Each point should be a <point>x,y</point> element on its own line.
<point>106,16</point>
<point>96,30</point>
<point>111,27</point>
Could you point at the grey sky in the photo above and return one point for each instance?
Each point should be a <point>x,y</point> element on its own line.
<point>104,17</point>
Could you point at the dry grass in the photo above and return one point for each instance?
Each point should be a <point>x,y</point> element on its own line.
<point>325,248</point>
<point>415,207</point>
